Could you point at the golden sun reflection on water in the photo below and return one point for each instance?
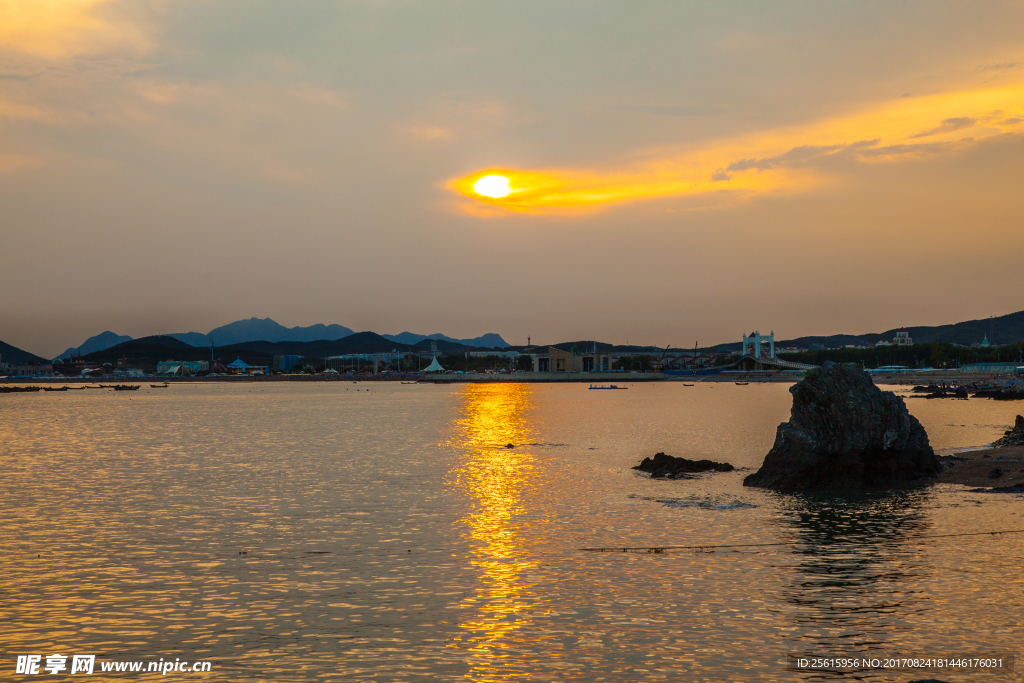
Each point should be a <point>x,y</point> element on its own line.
<point>495,478</point>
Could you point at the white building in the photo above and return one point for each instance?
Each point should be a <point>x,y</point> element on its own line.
<point>902,338</point>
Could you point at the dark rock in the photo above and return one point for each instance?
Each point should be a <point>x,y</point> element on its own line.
<point>844,432</point>
<point>663,466</point>
<point>1014,437</point>
<point>1001,393</point>
<point>995,473</point>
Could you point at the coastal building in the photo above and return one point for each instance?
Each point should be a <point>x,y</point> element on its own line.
<point>1012,368</point>
<point>557,360</point>
<point>286,363</point>
<point>182,367</point>
<point>240,367</point>
<point>902,338</point>
<point>488,354</point>
<point>362,361</point>
<point>41,370</point>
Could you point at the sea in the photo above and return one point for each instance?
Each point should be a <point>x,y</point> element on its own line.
<point>479,532</point>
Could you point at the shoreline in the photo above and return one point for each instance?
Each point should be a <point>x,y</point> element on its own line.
<point>517,377</point>
<point>972,467</point>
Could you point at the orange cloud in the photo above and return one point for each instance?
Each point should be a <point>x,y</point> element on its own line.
<point>780,160</point>
<point>58,28</point>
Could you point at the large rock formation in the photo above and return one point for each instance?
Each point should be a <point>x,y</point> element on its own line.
<point>844,432</point>
<point>1013,437</point>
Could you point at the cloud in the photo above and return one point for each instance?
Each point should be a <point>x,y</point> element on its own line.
<point>790,159</point>
<point>998,67</point>
<point>58,28</point>
<point>948,126</point>
<point>17,162</point>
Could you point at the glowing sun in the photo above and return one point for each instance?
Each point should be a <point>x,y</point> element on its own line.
<point>493,186</point>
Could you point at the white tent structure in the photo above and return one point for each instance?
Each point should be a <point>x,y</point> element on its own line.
<point>434,366</point>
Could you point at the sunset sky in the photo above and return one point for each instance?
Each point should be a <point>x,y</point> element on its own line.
<point>658,173</point>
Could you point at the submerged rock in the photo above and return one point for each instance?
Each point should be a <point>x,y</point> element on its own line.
<point>844,432</point>
<point>663,466</point>
<point>1013,437</point>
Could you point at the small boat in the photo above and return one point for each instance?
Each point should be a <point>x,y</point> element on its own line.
<point>55,389</point>
<point>159,386</point>
<point>99,387</point>
<point>76,388</point>
<point>743,384</point>
<point>410,382</point>
<point>687,385</point>
<point>613,386</point>
<point>126,387</point>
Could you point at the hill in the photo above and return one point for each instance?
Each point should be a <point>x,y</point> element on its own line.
<point>99,342</point>
<point>148,351</point>
<point>486,341</point>
<point>12,354</point>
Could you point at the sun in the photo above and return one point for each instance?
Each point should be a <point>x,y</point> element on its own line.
<point>494,186</point>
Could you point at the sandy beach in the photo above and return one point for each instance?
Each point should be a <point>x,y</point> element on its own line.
<point>971,468</point>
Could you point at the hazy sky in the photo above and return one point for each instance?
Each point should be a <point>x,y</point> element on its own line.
<point>676,171</point>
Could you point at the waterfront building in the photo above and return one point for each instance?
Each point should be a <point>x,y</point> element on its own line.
<point>500,354</point>
<point>41,370</point>
<point>902,338</point>
<point>1011,368</point>
<point>351,361</point>
<point>286,363</point>
<point>182,367</point>
<point>240,367</point>
<point>556,360</point>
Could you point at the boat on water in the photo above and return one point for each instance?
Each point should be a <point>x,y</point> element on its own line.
<point>55,388</point>
<point>687,385</point>
<point>125,387</point>
<point>19,390</point>
<point>159,386</point>
<point>404,382</point>
<point>742,383</point>
<point>613,386</point>
<point>76,388</point>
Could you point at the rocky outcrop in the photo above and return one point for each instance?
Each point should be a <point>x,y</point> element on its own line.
<point>844,432</point>
<point>1013,437</point>
<point>1012,391</point>
<point>663,466</point>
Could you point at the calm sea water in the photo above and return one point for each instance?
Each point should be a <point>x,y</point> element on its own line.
<point>378,532</point>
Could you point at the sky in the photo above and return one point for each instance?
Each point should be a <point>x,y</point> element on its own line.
<point>655,173</point>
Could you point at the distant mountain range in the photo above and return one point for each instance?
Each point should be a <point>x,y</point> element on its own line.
<point>267,330</point>
<point>264,337</point>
